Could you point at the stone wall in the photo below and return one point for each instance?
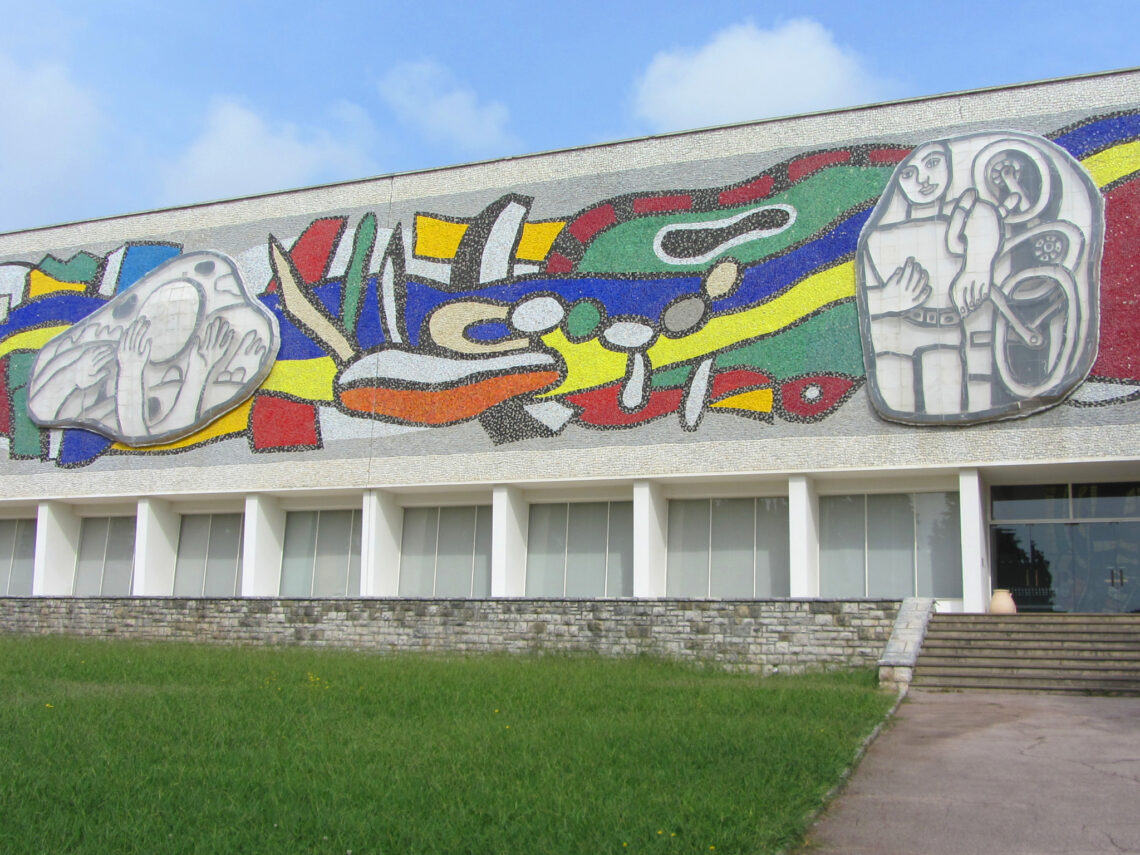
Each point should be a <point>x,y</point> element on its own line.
<point>765,636</point>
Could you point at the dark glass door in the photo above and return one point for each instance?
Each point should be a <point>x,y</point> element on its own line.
<point>1069,566</point>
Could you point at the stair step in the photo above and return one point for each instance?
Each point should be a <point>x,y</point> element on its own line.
<point>1131,686</point>
<point>1009,635</point>
<point>1035,672</point>
<point>1091,665</point>
<point>1029,645</point>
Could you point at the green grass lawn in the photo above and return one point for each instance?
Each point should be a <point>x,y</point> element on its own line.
<point>117,747</point>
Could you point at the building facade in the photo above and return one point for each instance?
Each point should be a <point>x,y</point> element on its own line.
<point>874,353</point>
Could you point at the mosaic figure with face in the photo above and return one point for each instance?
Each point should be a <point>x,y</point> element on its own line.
<point>165,357</point>
<point>939,261</point>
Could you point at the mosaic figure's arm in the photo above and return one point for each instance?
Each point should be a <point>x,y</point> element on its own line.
<point>905,289</point>
<point>130,397</point>
<point>975,232</point>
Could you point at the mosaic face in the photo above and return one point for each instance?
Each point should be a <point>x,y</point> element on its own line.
<point>979,281</point>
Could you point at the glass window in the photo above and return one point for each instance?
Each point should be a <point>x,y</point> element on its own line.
<point>938,544</point>
<point>321,554</point>
<point>209,556</point>
<point>580,549</point>
<point>842,546</point>
<point>104,562</point>
<point>17,557</point>
<point>728,548</point>
<point>890,545</point>
<point>1091,501</point>
<point>446,552</point>
<point>1030,502</point>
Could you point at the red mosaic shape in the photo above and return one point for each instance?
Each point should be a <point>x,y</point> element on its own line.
<point>737,380</point>
<point>591,222</point>
<point>805,166</point>
<point>559,263</point>
<point>313,251</point>
<point>661,204</point>
<point>811,398</point>
<point>757,189</point>
<point>600,407</point>
<point>279,423</point>
<point>1119,353</point>
<point>889,156</point>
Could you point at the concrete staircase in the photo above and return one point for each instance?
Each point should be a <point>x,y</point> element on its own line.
<point>1042,652</point>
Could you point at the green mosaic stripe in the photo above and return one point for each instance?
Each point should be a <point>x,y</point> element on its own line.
<point>818,200</point>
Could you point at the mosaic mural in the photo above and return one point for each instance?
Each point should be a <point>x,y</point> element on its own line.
<point>667,304</point>
<point>978,278</point>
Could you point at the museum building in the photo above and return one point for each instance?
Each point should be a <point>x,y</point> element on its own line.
<point>877,353</point>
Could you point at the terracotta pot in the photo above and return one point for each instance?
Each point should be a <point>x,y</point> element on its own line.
<point>1001,603</point>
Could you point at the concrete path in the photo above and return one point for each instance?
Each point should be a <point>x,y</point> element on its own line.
<point>988,772</point>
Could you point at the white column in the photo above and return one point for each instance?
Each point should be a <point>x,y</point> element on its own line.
<point>975,555</point>
<point>57,543</point>
<point>156,548</point>
<point>510,516</point>
<point>261,555</point>
<point>803,536</point>
<point>650,526</point>
<point>382,528</point>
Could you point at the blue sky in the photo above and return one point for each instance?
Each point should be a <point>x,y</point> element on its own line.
<point>123,105</point>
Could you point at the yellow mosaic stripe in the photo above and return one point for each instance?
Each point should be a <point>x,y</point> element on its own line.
<point>40,285</point>
<point>588,363</point>
<point>30,339</point>
<point>811,294</point>
<point>1114,163</point>
<point>311,379</point>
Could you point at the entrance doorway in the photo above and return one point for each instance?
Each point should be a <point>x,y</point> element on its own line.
<point>1067,547</point>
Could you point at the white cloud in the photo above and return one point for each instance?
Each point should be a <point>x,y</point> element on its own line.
<point>747,73</point>
<point>425,96</point>
<point>51,132</point>
<point>239,153</point>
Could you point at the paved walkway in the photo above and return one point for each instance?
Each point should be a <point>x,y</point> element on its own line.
<point>986,772</point>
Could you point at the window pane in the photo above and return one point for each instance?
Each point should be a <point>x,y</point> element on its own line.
<point>481,583</point>
<point>223,559</point>
<point>119,567</point>
<point>586,549</point>
<point>890,546</point>
<point>23,559</point>
<point>7,546</point>
<point>1030,502</point>
<point>773,562</point>
<point>1106,500</point>
<point>546,550</point>
<point>298,552</point>
<point>417,552</point>
<point>330,569</point>
<point>733,538</point>
<point>354,546</point>
<point>687,561</point>
<point>190,565</point>
<point>841,543</point>
<point>619,573</point>
<point>456,551</point>
<point>938,544</point>
<point>89,561</point>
